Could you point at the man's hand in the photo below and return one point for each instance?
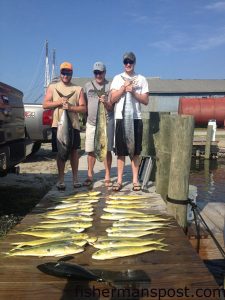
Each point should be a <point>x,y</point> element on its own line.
<point>128,86</point>
<point>65,103</point>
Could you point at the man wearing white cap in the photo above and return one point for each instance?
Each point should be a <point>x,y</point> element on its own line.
<point>92,91</point>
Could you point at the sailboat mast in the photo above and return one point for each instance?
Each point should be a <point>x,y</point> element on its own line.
<point>47,75</point>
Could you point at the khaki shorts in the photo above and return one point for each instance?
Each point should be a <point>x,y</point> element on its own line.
<point>90,136</point>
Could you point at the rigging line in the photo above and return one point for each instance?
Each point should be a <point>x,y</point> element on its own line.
<point>39,85</point>
<point>35,101</point>
<point>36,90</point>
<point>38,67</point>
<point>197,209</point>
<point>197,225</point>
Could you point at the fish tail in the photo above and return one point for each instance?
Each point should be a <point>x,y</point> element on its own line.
<point>162,248</point>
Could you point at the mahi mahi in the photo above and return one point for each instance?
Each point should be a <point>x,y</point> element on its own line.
<point>50,249</point>
<point>111,253</point>
<point>79,242</point>
<point>100,139</point>
<point>135,228</point>
<point>69,224</point>
<point>115,243</point>
<point>118,216</point>
<point>122,211</point>
<point>128,197</point>
<point>69,215</point>
<point>54,233</point>
<point>133,233</point>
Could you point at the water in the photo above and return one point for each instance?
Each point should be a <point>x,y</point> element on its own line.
<point>209,177</point>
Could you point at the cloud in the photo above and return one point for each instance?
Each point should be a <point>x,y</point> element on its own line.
<point>218,6</point>
<point>185,42</point>
<point>210,42</point>
<point>137,18</point>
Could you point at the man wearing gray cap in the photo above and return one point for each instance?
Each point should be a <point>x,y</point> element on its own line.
<point>98,90</point>
<point>128,91</point>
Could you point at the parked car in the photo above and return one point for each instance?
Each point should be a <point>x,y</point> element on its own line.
<point>38,124</point>
<point>14,144</point>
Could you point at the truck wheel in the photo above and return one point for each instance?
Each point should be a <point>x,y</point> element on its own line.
<point>36,147</point>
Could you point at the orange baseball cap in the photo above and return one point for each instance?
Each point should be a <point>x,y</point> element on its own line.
<point>66,65</point>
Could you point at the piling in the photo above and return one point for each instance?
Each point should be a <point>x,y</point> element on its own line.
<point>181,151</point>
<point>208,141</point>
<point>164,155</point>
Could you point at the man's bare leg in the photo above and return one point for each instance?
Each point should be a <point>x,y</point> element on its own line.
<point>108,164</point>
<point>91,163</point>
<point>74,161</point>
<point>120,168</point>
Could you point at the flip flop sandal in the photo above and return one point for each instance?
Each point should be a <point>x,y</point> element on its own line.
<point>61,186</point>
<point>117,187</point>
<point>136,187</point>
<point>77,185</point>
<point>88,182</point>
<point>108,183</point>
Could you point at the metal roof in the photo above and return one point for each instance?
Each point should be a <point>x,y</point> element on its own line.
<point>176,86</point>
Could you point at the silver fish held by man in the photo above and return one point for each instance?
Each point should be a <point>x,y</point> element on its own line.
<point>128,122</point>
<point>64,132</point>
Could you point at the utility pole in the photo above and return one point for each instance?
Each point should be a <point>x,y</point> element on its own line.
<point>47,75</point>
<point>53,65</point>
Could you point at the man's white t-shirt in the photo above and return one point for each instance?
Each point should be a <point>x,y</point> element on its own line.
<point>140,86</point>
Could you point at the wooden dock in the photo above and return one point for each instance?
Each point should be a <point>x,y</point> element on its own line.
<point>176,274</point>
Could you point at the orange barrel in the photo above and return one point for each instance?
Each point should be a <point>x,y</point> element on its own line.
<point>203,109</point>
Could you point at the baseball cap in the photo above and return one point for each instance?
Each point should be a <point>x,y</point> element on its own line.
<point>66,65</point>
<point>99,66</point>
<point>129,55</point>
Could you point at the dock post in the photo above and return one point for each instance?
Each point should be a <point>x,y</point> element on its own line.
<point>181,152</point>
<point>150,129</point>
<point>208,141</point>
<point>163,155</point>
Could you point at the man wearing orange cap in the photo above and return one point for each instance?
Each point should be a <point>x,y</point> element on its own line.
<point>64,95</point>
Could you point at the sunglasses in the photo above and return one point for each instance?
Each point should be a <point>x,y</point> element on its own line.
<point>128,61</point>
<point>66,73</point>
<point>96,72</point>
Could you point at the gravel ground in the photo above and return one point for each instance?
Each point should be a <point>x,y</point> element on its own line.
<point>20,193</point>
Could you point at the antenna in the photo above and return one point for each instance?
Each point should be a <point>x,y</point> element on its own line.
<point>47,75</point>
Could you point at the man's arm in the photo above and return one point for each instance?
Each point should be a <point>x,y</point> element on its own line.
<point>117,94</point>
<point>142,98</point>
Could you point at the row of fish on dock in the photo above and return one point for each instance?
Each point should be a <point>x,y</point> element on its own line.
<point>62,228</point>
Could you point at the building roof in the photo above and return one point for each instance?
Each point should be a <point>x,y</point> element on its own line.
<point>176,86</point>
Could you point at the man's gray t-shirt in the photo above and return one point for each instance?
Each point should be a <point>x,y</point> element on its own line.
<point>92,100</point>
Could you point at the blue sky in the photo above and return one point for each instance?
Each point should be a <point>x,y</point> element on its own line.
<point>171,38</point>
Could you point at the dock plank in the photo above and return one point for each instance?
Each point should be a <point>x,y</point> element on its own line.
<point>176,270</point>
